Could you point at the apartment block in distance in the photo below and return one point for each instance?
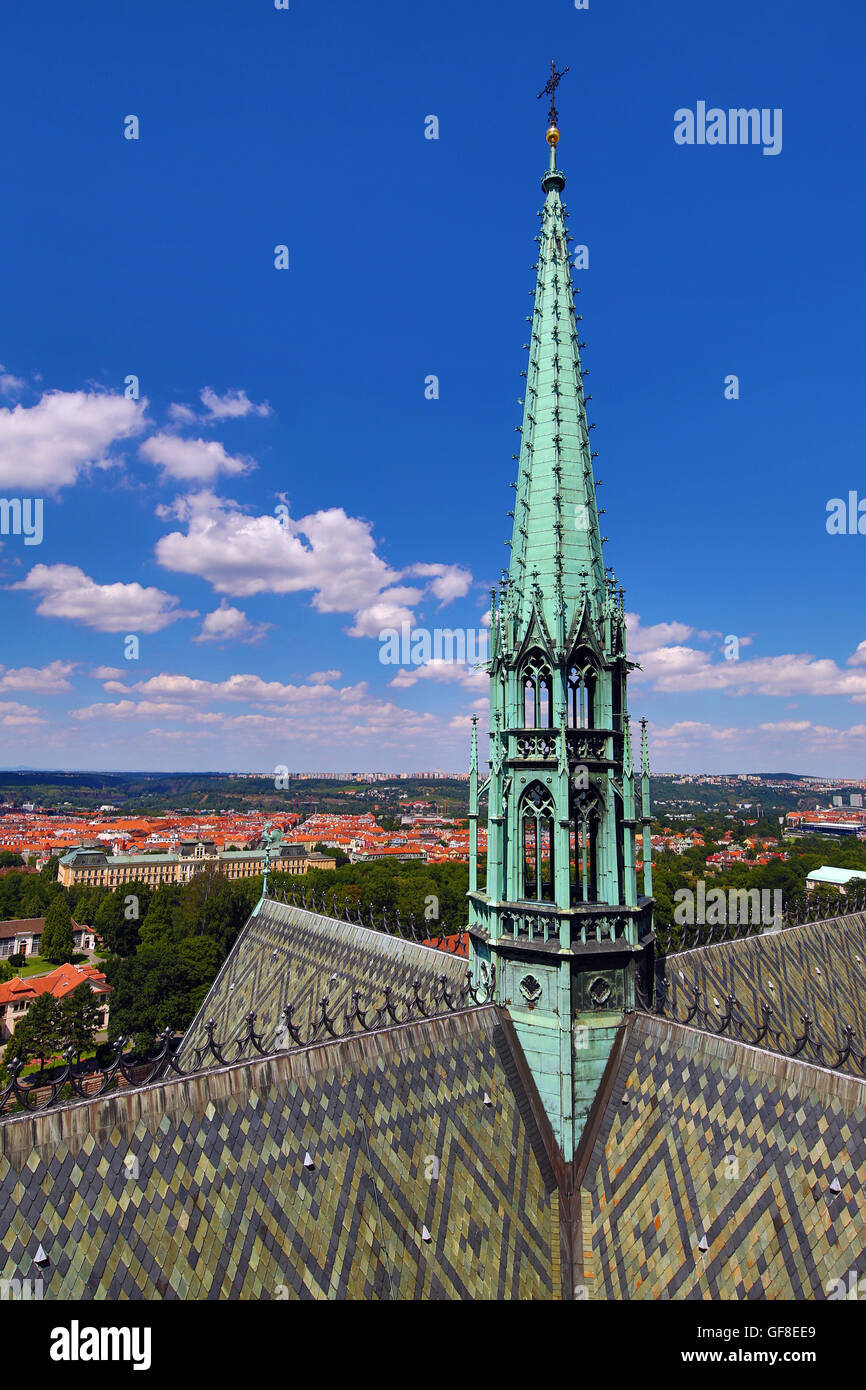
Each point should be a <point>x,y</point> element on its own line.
<point>94,867</point>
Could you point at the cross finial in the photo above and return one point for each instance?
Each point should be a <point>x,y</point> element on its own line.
<point>549,89</point>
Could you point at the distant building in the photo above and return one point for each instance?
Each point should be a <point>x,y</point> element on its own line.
<point>856,798</point>
<point>828,877</point>
<point>96,868</point>
<point>23,938</point>
<point>395,854</point>
<point>17,995</point>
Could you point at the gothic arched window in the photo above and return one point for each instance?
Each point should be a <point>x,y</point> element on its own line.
<point>586,811</point>
<point>581,694</point>
<point>537,818</point>
<point>537,692</point>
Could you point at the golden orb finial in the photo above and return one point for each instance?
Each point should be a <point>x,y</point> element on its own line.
<point>552,136</point>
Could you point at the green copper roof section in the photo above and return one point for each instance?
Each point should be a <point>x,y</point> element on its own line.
<point>556,543</point>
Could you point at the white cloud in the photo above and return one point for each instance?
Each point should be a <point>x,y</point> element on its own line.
<point>107,673</point>
<point>232,405</point>
<point>245,686</point>
<point>674,668</point>
<point>644,639</point>
<point>67,592</point>
<point>228,624</point>
<point>688,732</point>
<point>439,670</point>
<point>183,414</point>
<point>309,712</point>
<point>47,446</point>
<point>13,715</point>
<point>192,460</point>
<point>323,677</point>
<point>787,726</point>
<point>327,553</point>
<point>10,385</point>
<point>48,680</point>
<point>448,581</point>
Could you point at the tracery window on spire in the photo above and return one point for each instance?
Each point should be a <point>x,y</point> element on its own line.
<point>581,694</point>
<point>583,837</point>
<point>537,812</point>
<point>536,683</point>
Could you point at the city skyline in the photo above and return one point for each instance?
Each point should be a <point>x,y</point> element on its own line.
<point>287,486</point>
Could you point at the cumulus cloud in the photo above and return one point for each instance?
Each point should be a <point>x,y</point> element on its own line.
<point>182,414</point>
<point>310,712</point>
<point>10,385</point>
<point>228,624</point>
<point>442,671</point>
<point>243,686</point>
<point>192,460</point>
<point>13,715</point>
<point>107,673</point>
<point>67,592</point>
<point>645,639</point>
<point>674,667</point>
<point>323,677</point>
<point>232,405</point>
<point>48,680</point>
<point>690,732</point>
<point>47,446</point>
<point>447,581</point>
<point>327,553</point>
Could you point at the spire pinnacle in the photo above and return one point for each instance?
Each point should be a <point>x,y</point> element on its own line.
<point>644,750</point>
<point>628,758</point>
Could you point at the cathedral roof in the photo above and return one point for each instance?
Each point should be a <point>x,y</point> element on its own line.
<point>414,1159</point>
<point>289,955</point>
<point>779,979</point>
<point>717,1170</point>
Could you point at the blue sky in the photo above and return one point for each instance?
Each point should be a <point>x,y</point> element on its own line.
<point>304,388</point>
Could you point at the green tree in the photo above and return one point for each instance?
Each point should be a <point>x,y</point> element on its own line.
<point>334,850</point>
<point>34,897</point>
<point>57,943</point>
<point>48,872</point>
<point>119,917</point>
<point>37,1034</point>
<point>79,1011</point>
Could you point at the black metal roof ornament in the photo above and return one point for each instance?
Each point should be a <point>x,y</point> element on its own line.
<point>549,89</point>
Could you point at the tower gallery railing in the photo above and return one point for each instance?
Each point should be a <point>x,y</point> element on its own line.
<point>391,924</point>
<point>76,1082</point>
<point>731,1020</point>
<point>812,908</point>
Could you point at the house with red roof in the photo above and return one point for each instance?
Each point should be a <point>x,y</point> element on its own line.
<point>17,995</point>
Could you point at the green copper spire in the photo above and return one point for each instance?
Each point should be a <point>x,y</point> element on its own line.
<point>556,550</point>
<point>558,912</point>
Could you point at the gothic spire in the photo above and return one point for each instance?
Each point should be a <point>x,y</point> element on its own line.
<point>556,530</point>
